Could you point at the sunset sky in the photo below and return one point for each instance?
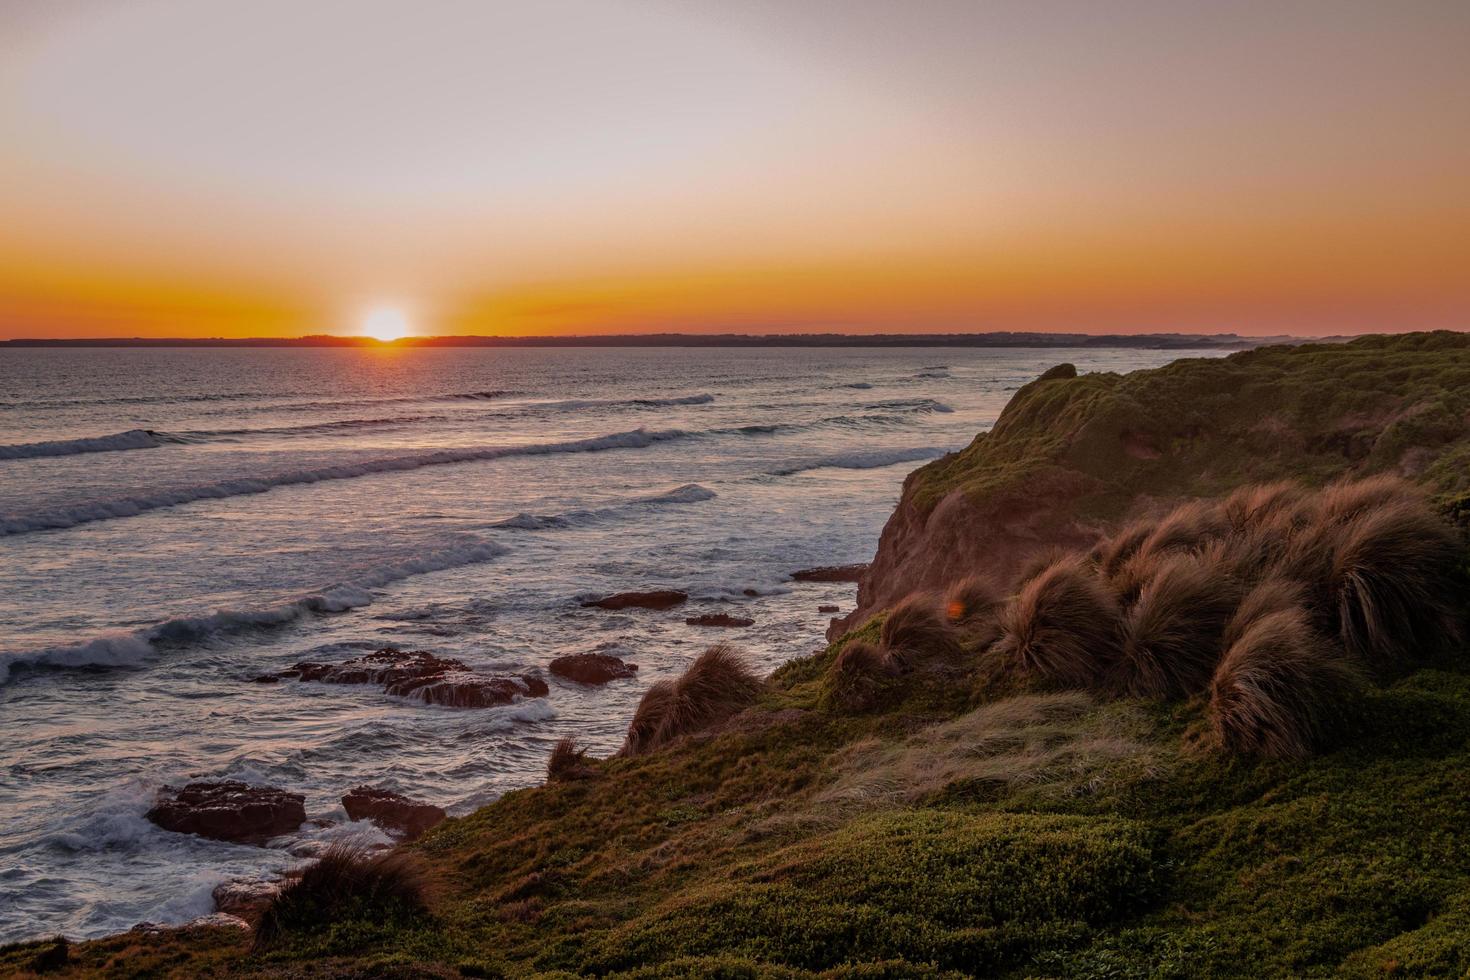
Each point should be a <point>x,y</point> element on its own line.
<point>282,167</point>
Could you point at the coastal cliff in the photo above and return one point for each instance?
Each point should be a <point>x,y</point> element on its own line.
<point>924,799</point>
<point>1073,455</point>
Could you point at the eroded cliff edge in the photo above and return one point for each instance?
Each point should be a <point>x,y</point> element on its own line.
<point>1071,455</point>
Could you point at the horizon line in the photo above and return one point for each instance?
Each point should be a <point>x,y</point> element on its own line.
<point>1008,338</point>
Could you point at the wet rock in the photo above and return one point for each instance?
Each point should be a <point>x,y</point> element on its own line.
<point>466,689</point>
<point>392,811</point>
<point>592,668</point>
<point>229,811</point>
<point>424,677</point>
<point>719,620</point>
<point>246,898</point>
<point>267,679</point>
<point>662,599</point>
<point>386,666</point>
<point>750,593</point>
<point>829,609</point>
<point>830,573</point>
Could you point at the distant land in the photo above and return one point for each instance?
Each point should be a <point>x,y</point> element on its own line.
<point>1152,341</point>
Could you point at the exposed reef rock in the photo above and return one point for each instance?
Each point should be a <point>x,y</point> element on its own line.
<point>229,811</point>
<point>662,599</point>
<point>394,812</point>
<point>719,620</point>
<point>423,677</point>
<point>592,668</point>
<point>830,573</point>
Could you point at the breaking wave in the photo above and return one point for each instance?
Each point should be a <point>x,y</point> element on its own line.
<point>689,493</point>
<point>101,510</point>
<point>129,648</point>
<point>131,439</point>
<point>860,460</point>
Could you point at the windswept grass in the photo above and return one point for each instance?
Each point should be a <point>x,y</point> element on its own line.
<point>715,686</point>
<point>1280,689</point>
<point>1172,634</point>
<point>915,634</point>
<point>1063,627</point>
<point>347,886</point>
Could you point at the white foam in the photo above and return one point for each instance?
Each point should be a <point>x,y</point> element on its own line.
<point>859,460</point>
<point>129,649</point>
<point>131,439</point>
<point>101,510</point>
<point>689,493</point>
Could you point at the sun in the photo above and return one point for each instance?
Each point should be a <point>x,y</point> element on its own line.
<point>385,323</point>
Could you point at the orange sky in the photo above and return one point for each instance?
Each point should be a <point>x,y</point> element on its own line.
<point>210,168</point>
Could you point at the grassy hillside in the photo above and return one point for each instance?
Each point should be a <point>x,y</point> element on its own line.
<point>977,794</point>
<point>1071,455</point>
<point>1201,427</point>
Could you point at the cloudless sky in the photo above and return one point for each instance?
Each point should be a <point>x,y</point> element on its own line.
<point>279,167</point>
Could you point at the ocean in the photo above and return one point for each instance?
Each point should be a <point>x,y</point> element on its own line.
<point>174,523</point>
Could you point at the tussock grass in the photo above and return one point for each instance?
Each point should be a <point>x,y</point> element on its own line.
<point>1395,579</point>
<point>1280,690</point>
<point>568,763</point>
<point>349,883</point>
<point>857,677</point>
<point>972,604</point>
<point>1113,553</point>
<point>1278,505</point>
<point>1172,634</point>
<point>715,686</point>
<point>1063,626</point>
<point>915,633</point>
<point>1364,571</point>
<point>1188,528</point>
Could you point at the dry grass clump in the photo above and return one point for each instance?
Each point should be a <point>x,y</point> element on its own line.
<point>348,883</point>
<point>1280,689</point>
<point>715,686</point>
<point>1393,573</point>
<point>1063,626</point>
<point>915,633</point>
<point>857,678</point>
<point>1188,528</point>
<point>568,763</point>
<point>1172,635</point>
<point>1272,588</point>
<point>1111,554</point>
<point>972,603</point>
<point>1265,505</point>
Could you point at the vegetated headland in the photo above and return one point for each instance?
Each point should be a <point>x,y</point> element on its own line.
<point>1156,341</point>
<point>1166,675</point>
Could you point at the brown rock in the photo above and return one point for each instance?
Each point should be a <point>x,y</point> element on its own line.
<point>392,811</point>
<point>830,573</point>
<point>229,810</point>
<point>750,593</point>
<point>663,599</point>
<point>246,898</point>
<point>424,677</point>
<point>719,619</point>
<point>829,609</point>
<point>592,668</point>
<point>465,689</point>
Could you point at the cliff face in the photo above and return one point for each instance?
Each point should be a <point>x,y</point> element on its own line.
<point>1073,455</point>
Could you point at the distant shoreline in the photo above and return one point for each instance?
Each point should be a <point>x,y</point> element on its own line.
<point>1157,341</point>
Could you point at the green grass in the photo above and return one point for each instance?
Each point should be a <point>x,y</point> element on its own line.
<point>1308,413</point>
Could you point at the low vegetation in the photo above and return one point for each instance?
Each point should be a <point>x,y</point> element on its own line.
<point>348,889</point>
